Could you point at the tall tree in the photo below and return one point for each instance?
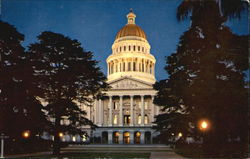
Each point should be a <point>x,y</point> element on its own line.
<point>206,80</point>
<point>19,109</point>
<point>65,74</point>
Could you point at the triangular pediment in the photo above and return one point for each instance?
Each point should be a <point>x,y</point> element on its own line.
<point>129,83</point>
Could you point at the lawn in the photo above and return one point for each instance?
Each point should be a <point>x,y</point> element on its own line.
<point>98,155</point>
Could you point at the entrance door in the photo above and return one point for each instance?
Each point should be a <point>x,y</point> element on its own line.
<point>126,139</point>
<point>126,119</point>
<point>137,137</point>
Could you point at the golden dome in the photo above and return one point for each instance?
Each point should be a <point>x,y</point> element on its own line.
<point>131,30</point>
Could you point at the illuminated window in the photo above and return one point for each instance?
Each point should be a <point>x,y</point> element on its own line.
<point>139,119</point>
<point>115,119</point>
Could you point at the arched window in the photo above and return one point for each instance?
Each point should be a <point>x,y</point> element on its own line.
<point>139,48</point>
<point>134,48</point>
<point>124,48</point>
<point>129,48</point>
<point>134,65</point>
<point>139,119</point>
<point>120,48</point>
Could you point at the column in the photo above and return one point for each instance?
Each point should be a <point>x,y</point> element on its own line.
<point>120,137</point>
<point>120,112</point>
<point>126,65</point>
<point>110,137</point>
<point>131,110</point>
<point>100,112</point>
<point>96,113</point>
<point>152,109</point>
<point>153,69</point>
<point>131,136</point>
<point>137,65</point>
<point>142,110</point>
<point>132,64</point>
<point>108,69</point>
<point>110,111</point>
<point>142,138</point>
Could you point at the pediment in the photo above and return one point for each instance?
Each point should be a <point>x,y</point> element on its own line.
<point>129,83</point>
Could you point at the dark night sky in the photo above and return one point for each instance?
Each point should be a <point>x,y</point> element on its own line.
<point>95,23</point>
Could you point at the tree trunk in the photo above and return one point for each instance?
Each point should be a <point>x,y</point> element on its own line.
<point>57,141</point>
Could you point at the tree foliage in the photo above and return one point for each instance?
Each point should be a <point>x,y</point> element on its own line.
<point>66,76</point>
<point>19,110</point>
<point>206,81</point>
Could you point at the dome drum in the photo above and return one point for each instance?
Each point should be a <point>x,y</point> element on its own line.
<point>131,54</point>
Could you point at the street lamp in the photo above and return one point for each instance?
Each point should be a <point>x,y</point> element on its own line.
<point>180,134</point>
<point>60,134</point>
<point>204,125</point>
<point>26,134</point>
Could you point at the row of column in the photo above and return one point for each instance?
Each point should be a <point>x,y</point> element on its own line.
<point>110,106</point>
<point>133,65</point>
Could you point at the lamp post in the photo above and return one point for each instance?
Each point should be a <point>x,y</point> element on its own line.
<point>26,134</point>
<point>2,137</point>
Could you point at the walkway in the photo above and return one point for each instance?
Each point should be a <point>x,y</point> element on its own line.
<point>156,151</point>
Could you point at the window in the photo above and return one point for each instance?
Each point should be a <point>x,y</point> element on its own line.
<point>120,48</point>
<point>115,119</point>
<point>142,49</point>
<point>115,105</point>
<point>139,48</point>
<point>129,48</point>
<point>123,66</point>
<point>124,48</point>
<point>129,66</point>
<point>134,66</point>
<point>134,47</point>
<point>139,119</point>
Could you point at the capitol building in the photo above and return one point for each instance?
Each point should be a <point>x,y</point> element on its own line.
<point>126,112</point>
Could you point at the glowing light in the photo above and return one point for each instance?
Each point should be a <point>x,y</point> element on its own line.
<point>180,134</point>
<point>60,134</point>
<point>26,134</point>
<point>204,125</point>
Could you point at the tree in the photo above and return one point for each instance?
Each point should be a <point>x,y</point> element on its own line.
<point>19,110</point>
<point>227,8</point>
<point>206,80</point>
<point>65,74</point>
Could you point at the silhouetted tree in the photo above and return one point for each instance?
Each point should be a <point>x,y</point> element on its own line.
<point>19,109</point>
<point>65,74</point>
<point>206,80</point>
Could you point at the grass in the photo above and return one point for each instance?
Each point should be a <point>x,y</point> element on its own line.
<point>98,155</point>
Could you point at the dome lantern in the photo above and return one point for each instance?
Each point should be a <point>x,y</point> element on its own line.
<point>131,17</point>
